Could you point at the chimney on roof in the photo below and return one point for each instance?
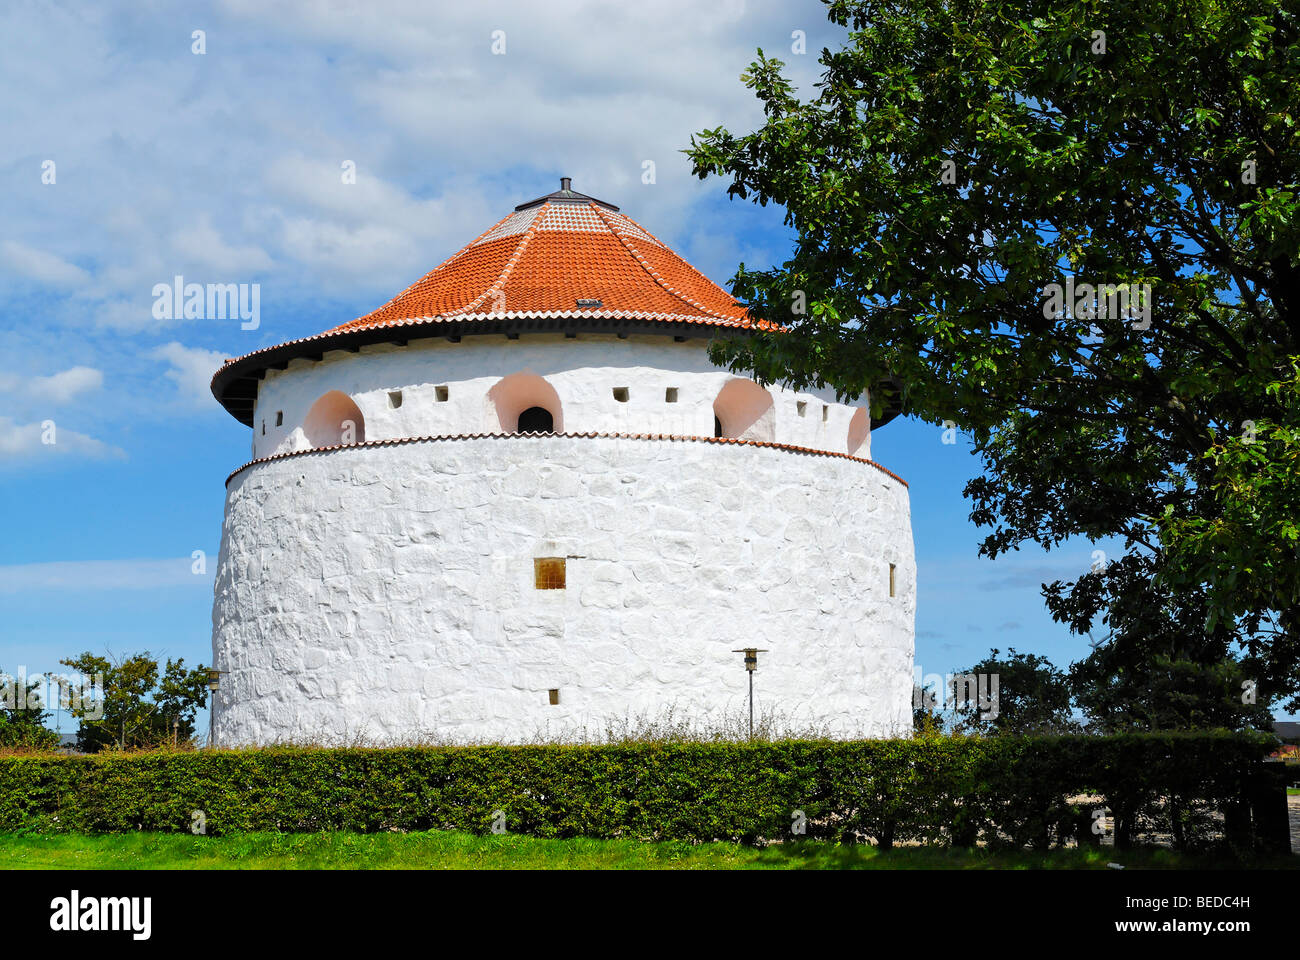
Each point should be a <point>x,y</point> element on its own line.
<point>564,183</point>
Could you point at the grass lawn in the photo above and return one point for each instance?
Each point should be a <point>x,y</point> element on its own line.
<point>464,851</point>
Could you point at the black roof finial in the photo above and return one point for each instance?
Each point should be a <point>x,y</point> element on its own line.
<point>566,194</point>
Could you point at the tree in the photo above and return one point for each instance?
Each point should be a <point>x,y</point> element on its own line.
<point>1033,697</point>
<point>1169,673</point>
<point>1070,227</point>
<point>139,710</point>
<point>926,704</point>
<point>23,714</point>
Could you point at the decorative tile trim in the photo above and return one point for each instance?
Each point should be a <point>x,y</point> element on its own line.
<point>590,435</point>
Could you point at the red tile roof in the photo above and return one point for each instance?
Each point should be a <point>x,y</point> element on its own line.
<point>563,260</point>
<point>544,259</point>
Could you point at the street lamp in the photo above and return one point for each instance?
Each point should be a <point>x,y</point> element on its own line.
<point>214,682</point>
<point>751,664</point>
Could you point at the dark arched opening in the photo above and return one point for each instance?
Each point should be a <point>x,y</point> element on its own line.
<point>744,410</point>
<point>536,420</point>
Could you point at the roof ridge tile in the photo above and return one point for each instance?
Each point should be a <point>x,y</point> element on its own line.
<point>510,264</point>
<point>651,270</point>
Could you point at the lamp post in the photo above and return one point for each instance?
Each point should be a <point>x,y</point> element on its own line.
<point>214,682</point>
<point>751,664</point>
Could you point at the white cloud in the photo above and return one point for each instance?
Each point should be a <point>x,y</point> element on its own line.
<point>57,389</point>
<point>319,184</point>
<point>371,227</point>
<point>123,317</point>
<point>203,247</point>
<point>228,165</point>
<point>342,250</point>
<point>45,269</point>
<point>445,135</point>
<point>191,369</point>
<point>81,575</point>
<point>30,442</point>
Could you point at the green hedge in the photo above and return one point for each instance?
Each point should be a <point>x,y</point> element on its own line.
<point>1011,790</point>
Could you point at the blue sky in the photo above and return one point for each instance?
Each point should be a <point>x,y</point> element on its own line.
<point>225,166</point>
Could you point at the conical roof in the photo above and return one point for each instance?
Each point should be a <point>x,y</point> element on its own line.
<point>564,261</point>
<point>562,255</point>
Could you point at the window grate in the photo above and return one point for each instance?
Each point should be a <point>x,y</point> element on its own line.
<point>548,573</point>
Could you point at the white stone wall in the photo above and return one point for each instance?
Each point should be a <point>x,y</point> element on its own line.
<point>584,372</point>
<point>387,592</point>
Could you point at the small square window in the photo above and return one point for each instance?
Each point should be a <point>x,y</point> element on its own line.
<point>620,394</point>
<point>554,696</point>
<point>395,398</point>
<point>441,393</point>
<point>670,395</point>
<point>279,418</point>
<point>548,573</point>
<point>802,407</point>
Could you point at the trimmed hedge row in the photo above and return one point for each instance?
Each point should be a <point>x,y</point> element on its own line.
<point>1009,790</point>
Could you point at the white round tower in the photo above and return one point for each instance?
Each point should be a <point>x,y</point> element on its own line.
<point>518,500</point>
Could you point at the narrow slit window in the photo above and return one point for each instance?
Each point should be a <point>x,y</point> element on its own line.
<point>395,399</point>
<point>892,580</point>
<point>279,418</point>
<point>553,696</point>
<point>670,395</point>
<point>826,412</point>
<point>263,428</point>
<point>548,573</point>
<point>620,394</point>
<point>441,393</point>
<point>802,407</point>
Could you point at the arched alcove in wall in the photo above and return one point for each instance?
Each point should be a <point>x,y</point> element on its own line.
<point>334,419</point>
<point>528,397</point>
<point>744,410</point>
<point>860,432</point>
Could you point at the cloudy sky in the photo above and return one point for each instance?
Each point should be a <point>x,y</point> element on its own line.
<point>130,158</point>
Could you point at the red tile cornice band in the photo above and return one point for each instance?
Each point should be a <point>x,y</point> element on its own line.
<point>395,441</point>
